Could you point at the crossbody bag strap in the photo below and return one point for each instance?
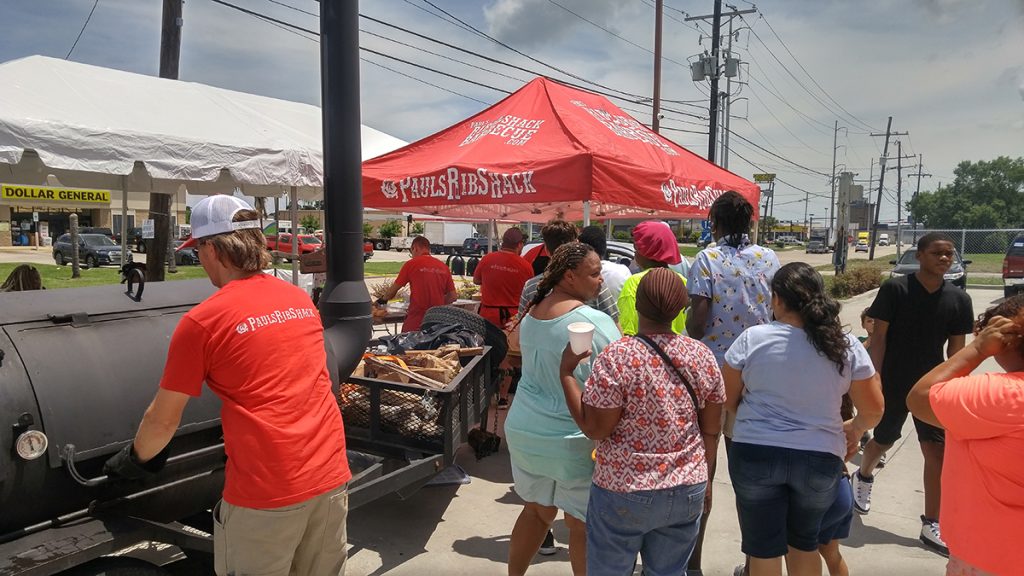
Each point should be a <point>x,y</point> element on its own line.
<point>668,362</point>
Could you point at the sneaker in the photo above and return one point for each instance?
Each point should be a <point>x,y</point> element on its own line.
<point>502,403</point>
<point>932,537</point>
<point>861,492</point>
<point>547,548</point>
<point>740,570</point>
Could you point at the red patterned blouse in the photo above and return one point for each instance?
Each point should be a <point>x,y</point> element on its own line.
<point>657,443</point>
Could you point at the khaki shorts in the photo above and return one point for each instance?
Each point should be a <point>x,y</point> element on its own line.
<point>306,539</point>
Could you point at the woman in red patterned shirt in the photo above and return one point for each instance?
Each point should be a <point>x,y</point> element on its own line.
<point>655,424</point>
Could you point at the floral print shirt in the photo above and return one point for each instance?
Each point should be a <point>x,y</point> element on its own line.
<point>657,443</point>
<point>738,283</point>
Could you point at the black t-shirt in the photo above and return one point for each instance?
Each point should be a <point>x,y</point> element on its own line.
<point>919,326</point>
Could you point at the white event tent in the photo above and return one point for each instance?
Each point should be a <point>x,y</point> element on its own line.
<point>75,125</point>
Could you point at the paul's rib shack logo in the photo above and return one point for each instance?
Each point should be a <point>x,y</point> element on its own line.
<point>700,198</point>
<point>454,184</point>
<point>627,127</point>
<point>515,131</point>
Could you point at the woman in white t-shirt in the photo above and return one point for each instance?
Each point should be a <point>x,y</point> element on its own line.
<point>785,382</point>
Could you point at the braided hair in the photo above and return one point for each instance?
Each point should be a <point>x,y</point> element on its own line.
<point>23,277</point>
<point>801,288</point>
<point>731,214</point>
<point>567,257</point>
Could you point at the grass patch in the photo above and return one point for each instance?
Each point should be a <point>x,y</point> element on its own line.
<point>985,262</point>
<point>984,280</point>
<point>381,268</point>
<point>60,276</point>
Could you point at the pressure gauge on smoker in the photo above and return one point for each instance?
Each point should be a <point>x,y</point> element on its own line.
<point>31,444</point>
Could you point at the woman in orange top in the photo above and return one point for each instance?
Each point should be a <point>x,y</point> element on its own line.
<point>983,414</point>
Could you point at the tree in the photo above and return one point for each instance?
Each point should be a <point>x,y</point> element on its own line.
<point>983,195</point>
<point>310,222</point>
<point>767,223</point>
<point>391,228</point>
<point>367,229</point>
<point>418,228</point>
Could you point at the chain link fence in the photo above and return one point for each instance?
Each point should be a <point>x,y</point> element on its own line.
<point>985,248</point>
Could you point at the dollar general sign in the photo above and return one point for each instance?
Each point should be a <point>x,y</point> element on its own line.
<point>19,194</point>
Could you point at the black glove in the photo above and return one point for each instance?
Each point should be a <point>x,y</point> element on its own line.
<point>125,464</point>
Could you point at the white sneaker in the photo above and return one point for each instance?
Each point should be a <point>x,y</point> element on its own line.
<point>740,570</point>
<point>932,537</point>
<point>861,492</point>
<point>547,548</point>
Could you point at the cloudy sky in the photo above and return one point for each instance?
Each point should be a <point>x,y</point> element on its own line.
<point>950,72</point>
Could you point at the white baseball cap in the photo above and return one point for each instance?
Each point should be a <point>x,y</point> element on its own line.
<point>213,214</point>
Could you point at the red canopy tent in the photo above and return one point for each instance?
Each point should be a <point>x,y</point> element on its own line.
<point>546,150</point>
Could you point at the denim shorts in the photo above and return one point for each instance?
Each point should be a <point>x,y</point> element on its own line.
<point>836,523</point>
<point>659,525</point>
<point>782,495</point>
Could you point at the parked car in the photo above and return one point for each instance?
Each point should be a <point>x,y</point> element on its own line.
<point>908,264</point>
<point>135,241</point>
<point>883,239</point>
<point>783,241</point>
<point>477,245</point>
<point>816,247</point>
<point>283,243</point>
<point>93,250</point>
<point>862,246</point>
<point>97,230</point>
<point>1013,267</point>
<point>186,254</point>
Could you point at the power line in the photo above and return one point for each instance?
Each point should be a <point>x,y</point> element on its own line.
<point>823,91</point>
<point>290,7</point>
<point>783,158</point>
<point>411,77</point>
<point>790,72</point>
<point>439,55</point>
<point>82,31</point>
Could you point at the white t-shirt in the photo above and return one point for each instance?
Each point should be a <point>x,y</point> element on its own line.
<point>792,393</point>
<point>614,276</point>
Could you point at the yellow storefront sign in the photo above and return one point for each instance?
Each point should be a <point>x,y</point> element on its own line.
<point>21,194</point>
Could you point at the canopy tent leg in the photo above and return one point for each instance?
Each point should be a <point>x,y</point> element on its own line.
<point>293,198</point>
<point>608,229</point>
<point>492,232</point>
<point>124,220</point>
<point>586,213</point>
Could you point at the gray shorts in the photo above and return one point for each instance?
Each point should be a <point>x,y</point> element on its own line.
<point>307,538</point>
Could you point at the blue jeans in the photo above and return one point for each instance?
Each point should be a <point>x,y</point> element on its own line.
<point>782,494</point>
<point>660,525</point>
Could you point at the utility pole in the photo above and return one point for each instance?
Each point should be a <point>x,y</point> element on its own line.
<point>832,203</point>
<point>899,197</point>
<point>655,118</point>
<point>807,201</point>
<point>881,182</point>
<point>716,96</point>
<point>716,39</point>
<point>920,166</point>
<point>160,204</point>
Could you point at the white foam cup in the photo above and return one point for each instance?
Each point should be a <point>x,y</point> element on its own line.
<point>581,336</point>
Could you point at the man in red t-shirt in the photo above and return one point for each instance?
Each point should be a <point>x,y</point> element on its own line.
<point>430,284</point>
<point>501,276</point>
<point>258,344</point>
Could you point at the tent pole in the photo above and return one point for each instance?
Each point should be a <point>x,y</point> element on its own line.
<point>492,231</point>
<point>124,220</point>
<point>586,213</point>
<point>608,229</point>
<point>293,198</point>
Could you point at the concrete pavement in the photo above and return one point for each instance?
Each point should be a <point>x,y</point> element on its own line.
<point>464,530</point>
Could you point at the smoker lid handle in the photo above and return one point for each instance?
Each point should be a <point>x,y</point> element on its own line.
<point>68,455</point>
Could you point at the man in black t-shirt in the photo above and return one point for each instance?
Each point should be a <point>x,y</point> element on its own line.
<point>915,315</point>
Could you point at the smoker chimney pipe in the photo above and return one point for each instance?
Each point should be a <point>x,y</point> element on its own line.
<point>345,302</point>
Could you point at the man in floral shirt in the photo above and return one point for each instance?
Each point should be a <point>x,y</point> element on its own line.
<point>730,291</point>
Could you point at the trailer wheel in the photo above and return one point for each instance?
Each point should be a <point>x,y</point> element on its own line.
<point>379,245</point>
<point>117,567</point>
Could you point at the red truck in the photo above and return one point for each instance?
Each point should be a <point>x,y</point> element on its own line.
<point>283,243</point>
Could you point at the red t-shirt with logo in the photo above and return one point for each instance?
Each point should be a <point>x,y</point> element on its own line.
<point>258,344</point>
<point>429,282</point>
<point>501,276</point>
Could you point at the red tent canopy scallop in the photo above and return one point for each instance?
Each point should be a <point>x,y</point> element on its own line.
<point>544,151</point>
